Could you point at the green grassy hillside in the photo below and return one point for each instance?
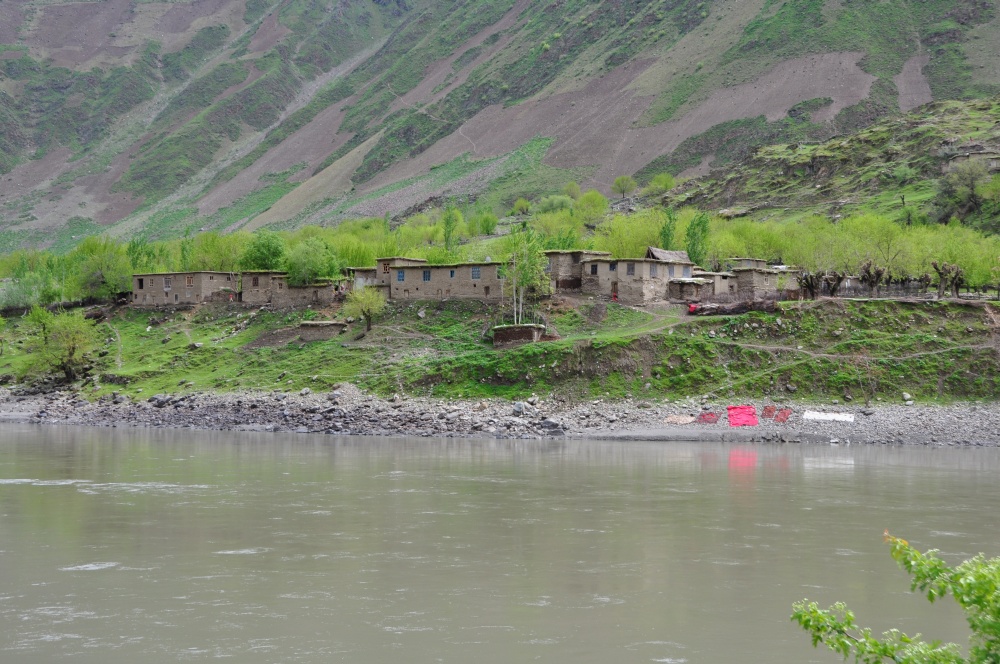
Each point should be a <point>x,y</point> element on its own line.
<point>177,119</point>
<point>897,167</point>
<point>852,350</point>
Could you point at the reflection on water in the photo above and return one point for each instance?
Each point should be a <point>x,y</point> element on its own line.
<point>163,546</point>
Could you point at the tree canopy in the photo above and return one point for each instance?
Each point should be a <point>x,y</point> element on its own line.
<point>973,584</point>
<point>624,185</point>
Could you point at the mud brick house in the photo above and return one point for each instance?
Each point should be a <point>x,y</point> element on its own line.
<point>754,279</point>
<point>724,284</point>
<point>694,289</point>
<point>359,277</point>
<point>272,288</point>
<point>635,280</point>
<point>565,267</point>
<point>413,279</point>
<point>176,288</point>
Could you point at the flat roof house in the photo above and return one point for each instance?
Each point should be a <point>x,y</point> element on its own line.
<point>158,289</point>
<point>265,287</point>
<point>414,279</point>
<point>565,267</point>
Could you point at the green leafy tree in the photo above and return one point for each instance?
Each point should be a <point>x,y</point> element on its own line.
<point>524,270</point>
<point>367,303</point>
<point>521,206</point>
<point>974,586</point>
<point>68,342</point>
<point>103,267</point>
<point>697,239</point>
<point>450,221</point>
<point>553,204</point>
<point>668,229</point>
<point>39,322</point>
<point>308,261</point>
<point>572,190</point>
<point>624,185</point>
<point>591,207</point>
<point>628,236</point>
<point>265,251</point>
<point>660,184</point>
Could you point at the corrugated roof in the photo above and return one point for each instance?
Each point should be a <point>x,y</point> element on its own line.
<point>668,255</point>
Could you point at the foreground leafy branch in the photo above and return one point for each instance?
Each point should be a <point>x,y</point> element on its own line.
<point>973,584</point>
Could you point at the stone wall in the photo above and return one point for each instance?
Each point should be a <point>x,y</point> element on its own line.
<point>634,281</point>
<point>506,335</point>
<point>691,290</point>
<point>565,268</point>
<point>756,283</point>
<point>320,330</point>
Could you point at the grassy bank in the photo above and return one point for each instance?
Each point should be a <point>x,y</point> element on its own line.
<point>850,350</point>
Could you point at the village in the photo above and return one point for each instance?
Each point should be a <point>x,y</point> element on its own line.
<point>660,276</point>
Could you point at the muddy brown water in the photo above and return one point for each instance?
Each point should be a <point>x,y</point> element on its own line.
<point>166,546</point>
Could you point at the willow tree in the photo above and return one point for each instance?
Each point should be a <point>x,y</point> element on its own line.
<point>524,272</point>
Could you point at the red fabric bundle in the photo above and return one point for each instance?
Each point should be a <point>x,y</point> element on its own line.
<point>783,415</point>
<point>768,412</point>
<point>708,418</point>
<point>742,416</point>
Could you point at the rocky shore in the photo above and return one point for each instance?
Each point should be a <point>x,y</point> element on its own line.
<point>348,411</point>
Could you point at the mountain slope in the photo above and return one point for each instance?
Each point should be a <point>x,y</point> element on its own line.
<point>155,117</point>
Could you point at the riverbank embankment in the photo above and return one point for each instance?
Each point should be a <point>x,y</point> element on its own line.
<point>349,411</point>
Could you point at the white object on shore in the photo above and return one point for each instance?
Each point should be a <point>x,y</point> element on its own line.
<point>828,417</point>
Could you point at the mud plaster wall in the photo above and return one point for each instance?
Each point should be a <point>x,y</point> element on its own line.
<point>429,282</point>
<point>178,288</point>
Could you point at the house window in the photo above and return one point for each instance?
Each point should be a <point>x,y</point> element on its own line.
<point>630,269</point>
<point>653,272</point>
<point>176,297</point>
<point>548,266</point>
<point>400,275</point>
<point>166,283</point>
<point>255,282</point>
<point>427,275</point>
<point>140,284</point>
<point>211,277</point>
<point>189,281</point>
<point>765,280</point>
<point>670,271</point>
<point>593,268</point>
<point>613,267</point>
<point>687,271</point>
<point>476,272</point>
<point>281,285</point>
<point>451,274</point>
<point>152,282</point>
<point>229,277</point>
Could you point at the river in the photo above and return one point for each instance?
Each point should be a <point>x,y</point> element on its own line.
<point>163,546</point>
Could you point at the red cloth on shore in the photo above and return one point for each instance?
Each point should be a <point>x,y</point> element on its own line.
<point>708,418</point>
<point>768,412</point>
<point>783,415</point>
<point>742,416</point>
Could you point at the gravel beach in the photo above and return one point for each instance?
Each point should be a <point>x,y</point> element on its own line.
<point>348,411</point>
